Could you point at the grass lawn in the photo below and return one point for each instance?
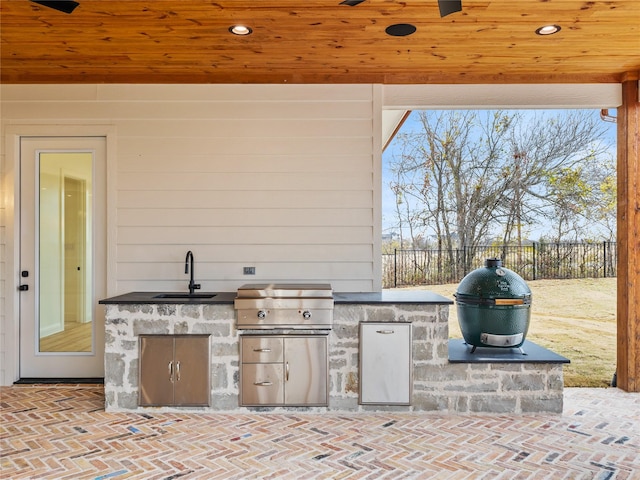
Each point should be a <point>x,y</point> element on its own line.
<point>574,318</point>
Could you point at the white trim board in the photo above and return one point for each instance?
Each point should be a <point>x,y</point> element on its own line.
<point>510,96</point>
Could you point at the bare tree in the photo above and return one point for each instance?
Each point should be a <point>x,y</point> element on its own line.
<point>465,176</point>
<point>553,146</point>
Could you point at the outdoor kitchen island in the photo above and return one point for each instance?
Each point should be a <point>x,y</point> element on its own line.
<point>436,383</point>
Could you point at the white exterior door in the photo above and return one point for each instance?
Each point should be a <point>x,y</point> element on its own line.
<point>62,256</point>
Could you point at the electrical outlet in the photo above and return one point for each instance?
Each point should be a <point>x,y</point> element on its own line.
<point>249,270</point>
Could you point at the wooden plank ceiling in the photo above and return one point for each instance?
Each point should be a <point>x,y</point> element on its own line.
<point>319,41</point>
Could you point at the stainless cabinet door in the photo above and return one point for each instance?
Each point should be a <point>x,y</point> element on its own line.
<point>155,370</point>
<point>306,371</point>
<point>385,363</point>
<point>191,370</point>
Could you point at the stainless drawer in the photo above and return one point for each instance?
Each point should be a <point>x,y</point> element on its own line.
<point>262,349</point>
<point>262,384</point>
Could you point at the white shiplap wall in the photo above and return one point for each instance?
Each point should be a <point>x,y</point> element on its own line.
<point>284,178</point>
<point>279,177</point>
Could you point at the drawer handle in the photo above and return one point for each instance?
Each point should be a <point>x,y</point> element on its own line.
<point>261,349</point>
<point>263,384</point>
<point>385,332</point>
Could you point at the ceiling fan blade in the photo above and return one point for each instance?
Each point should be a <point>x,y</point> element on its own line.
<point>448,7</point>
<point>60,5</point>
<point>351,3</point>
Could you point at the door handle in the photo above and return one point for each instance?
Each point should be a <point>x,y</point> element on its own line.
<point>24,274</point>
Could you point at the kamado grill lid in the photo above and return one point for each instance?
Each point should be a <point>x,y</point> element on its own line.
<point>493,284</point>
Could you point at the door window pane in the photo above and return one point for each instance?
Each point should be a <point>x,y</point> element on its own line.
<point>65,322</point>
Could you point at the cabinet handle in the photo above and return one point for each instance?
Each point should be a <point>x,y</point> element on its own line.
<point>286,372</point>
<point>178,370</point>
<point>385,332</point>
<point>261,349</point>
<point>263,384</point>
<point>170,366</point>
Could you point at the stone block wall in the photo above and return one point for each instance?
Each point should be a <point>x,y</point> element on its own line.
<point>438,385</point>
<point>125,323</point>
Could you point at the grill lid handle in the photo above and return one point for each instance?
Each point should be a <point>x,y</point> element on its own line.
<point>475,300</point>
<point>509,301</point>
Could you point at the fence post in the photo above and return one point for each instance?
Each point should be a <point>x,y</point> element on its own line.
<point>535,260</point>
<point>395,267</point>
<point>464,260</point>
<point>604,259</point>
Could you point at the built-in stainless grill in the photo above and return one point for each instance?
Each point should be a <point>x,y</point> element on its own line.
<point>279,367</point>
<point>278,305</point>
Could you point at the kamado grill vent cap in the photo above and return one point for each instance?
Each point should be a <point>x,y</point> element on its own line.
<point>492,262</point>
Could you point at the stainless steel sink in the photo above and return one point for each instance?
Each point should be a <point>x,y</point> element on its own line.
<point>185,295</point>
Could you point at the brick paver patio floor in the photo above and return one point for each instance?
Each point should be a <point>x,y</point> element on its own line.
<point>63,432</point>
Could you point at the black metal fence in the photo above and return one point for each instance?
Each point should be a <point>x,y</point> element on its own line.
<point>531,262</point>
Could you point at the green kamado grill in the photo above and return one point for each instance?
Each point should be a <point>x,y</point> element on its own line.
<point>494,307</point>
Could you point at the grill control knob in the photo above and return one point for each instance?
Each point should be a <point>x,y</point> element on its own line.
<point>306,314</point>
<point>262,314</point>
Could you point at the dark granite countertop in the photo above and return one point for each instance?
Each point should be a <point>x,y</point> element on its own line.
<point>222,298</point>
<point>460,352</point>
<point>217,298</point>
<point>391,296</point>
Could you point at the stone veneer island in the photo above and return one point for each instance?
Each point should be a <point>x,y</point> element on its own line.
<point>445,378</point>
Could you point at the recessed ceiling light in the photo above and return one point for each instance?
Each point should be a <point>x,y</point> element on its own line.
<point>400,29</point>
<point>548,30</point>
<point>240,30</point>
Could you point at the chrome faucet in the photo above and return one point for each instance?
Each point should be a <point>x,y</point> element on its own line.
<point>188,268</point>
